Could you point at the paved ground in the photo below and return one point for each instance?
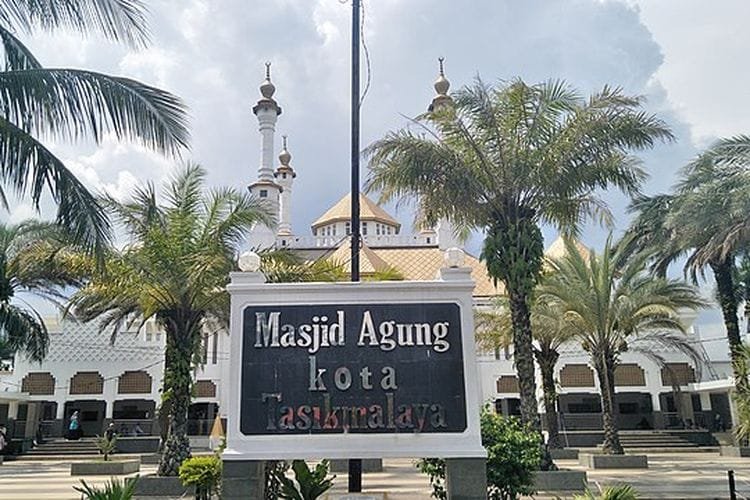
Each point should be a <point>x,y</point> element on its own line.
<point>673,476</point>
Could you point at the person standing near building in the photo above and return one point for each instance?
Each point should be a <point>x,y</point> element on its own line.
<point>74,428</point>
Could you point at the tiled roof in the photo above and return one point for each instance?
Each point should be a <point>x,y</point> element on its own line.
<point>369,261</point>
<point>423,263</point>
<point>368,211</point>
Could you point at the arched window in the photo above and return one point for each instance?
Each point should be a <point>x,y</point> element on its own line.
<point>134,382</point>
<point>38,384</point>
<point>573,375</point>
<point>86,383</point>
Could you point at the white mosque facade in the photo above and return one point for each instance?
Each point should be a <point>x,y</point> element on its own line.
<point>120,381</point>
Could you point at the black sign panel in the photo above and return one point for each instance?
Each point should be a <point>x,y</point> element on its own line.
<point>359,368</point>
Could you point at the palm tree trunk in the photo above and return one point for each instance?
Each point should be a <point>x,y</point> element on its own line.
<point>547,359</point>
<point>177,385</point>
<point>524,358</point>
<point>729,308</point>
<point>605,370</point>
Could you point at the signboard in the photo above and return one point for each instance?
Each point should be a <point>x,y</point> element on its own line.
<point>352,370</point>
<point>359,368</point>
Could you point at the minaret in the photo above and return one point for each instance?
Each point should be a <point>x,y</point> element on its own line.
<point>285,175</point>
<point>267,111</point>
<point>446,233</point>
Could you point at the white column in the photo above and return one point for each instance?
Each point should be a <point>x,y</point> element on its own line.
<point>285,210</point>
<point>12,410</point>
<point>267,117</point>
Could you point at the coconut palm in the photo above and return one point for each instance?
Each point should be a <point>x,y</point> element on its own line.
<point>174,269</point>
<point>35,260</point>
<point>507,158</point>
<point>616,306</point>
<point>74,104</point>
<point>494,329</point>
<point>707,220</point>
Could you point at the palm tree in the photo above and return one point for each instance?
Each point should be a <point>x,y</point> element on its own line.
<point>707,219</point>
<point>615,306</point>
<point>74,104</point>
<point>35,259</point>
<point>174,269</point>
<point>508,158</point>
<point>494,329</point>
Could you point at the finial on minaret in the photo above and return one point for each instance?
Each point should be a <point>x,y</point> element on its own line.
<point>284,156</point>
<point>267,90</point>
<point>442,85</point>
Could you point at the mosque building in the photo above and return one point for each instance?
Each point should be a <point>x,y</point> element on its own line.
<point>120,382</point>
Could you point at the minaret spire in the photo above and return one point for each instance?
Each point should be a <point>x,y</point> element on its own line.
<point>267,111</point>
<point>442,85</point>
<point>284,176</point>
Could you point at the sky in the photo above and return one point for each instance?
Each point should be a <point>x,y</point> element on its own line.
<point>686,56</point>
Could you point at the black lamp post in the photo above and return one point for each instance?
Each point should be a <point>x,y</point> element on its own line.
<point>355,465</point>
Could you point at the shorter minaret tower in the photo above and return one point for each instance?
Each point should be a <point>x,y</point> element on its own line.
<point>267,110</point>
<point>446,233</point>
<point>285,175</point>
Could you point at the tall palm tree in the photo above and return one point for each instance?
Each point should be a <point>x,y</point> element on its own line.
<point>174,269</point>
<point>506,159</point>
<point>74,104</point>
<point>35,260</point>
<point>494,329</point>
<point>706,219</point>
<point>614,305</point>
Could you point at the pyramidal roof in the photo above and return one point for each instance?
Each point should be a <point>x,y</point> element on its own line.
<point>368,211</point>
<point>557,249</point>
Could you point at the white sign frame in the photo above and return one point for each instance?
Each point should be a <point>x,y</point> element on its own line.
<point>455,285</point>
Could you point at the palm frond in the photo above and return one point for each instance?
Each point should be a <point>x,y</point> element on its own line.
<point>23,329</point>
<point>118,20</point>
<point>17,55</point>
<point>29,167</point>
<point>76,103</point>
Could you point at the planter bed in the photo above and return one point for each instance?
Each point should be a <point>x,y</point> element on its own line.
<point>102,468</point>
<point>560,480</point>
<point>593,461</point>
<point>156,486</point>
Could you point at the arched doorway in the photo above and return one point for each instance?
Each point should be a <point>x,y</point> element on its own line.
<point>90,415</point>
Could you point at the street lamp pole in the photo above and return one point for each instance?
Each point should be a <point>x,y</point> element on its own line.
<point>355,465</point>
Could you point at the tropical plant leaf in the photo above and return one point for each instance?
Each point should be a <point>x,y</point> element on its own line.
<point>75,103</point>
<point>118,20</point>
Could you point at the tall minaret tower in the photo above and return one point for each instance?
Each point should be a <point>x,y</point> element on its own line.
<point>267,111</point>
<point>446,233</point>
<point>285,175</point>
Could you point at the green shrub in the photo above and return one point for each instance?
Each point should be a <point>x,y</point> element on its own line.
<point>309,484</point>
<point>513,455</point>
<point>619,492</point>
<point>204,473</point>
<point>106,446</point>
<point>113,489</point>
<point>274,469</point>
